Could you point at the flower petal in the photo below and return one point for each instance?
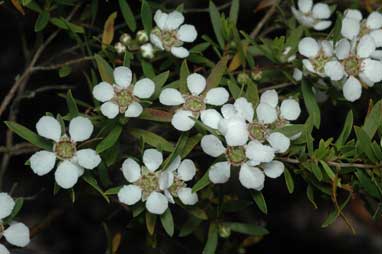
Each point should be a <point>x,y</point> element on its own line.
<point>3,250</point>
<point>103,91</point>
<point>160,18</point>
<point>350,28</point>
<point>322,25</point>
<point>110,109</point>
<point>352,89</point>
<point>156,41</point>
<point>186,170</point>
<point>290,109</point>
<point>273,169</point>
<point>174,20</point>
<point>259,152</point>
<point>228,110</point>
<point>144,88</point>
<point>174,165</point>
<point>266,113</point>
<point>244,108</point>
<point>171,97</point>
<point>234,130</point>
<point>297,74</point>
<point>180,52</point>
<point>152,158</point>
<point>196,83</point>
<point>377,36</point>
<point>251,177</point>
<point>17,234</point>
<point>166,179</point>
<point>187,196</point>
<point>305,5</point>
<point>135,109</point>
<point>308,47</point>
<point>181,120</point>
<point>122,76</point>
<point>374,21</point>
<point>130,194</point>
<point>217,96</point>
<point>327,47</point>
<point>211,118</point>
<point>372,70</point>
<point>88,158</point>
<point>321,11</point>
<point>279,142</point>
<point>354,14</point>
<point>156,203</point>
<point>212,145</point>
<point>67,174</point>
<point>6,205</point>
<point>334,70</point>
<point>366,46</point>
<point>42,162</point>
<point>270,97</point>
<point>187,33</point>
<point>49,127</point>
<point>80,128</point>
<point>131,170</point>
<point>343,48</point>
<point>220,172</point>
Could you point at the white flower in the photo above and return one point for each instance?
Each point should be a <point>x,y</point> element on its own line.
<point>147,50</point>
<point>72,161</point>
<point>170,34</point>
<point>195,103</point>
<point>313,16</point>
<point>123,97</point>
<point>6,205</point>
<point>120,48</point>
<point>297,74</point>
<point>318,53</point>
<point>155,187</point>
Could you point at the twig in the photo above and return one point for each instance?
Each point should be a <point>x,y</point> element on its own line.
<point>196,10</point>
<point>276,87</point>
<point>18,149</point>
<point>58,66</point>
<point>45,223</point>
<point>264,20</point>
<point>335,164</point>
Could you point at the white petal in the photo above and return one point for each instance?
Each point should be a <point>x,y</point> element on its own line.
<point>334,70</point>
<point>152,159</point>
<point>234,130</point>
<point>352,89</point>
<point>365,80</point>
<point>305,5</point>
<point>186,170</point>
<point>259,152</point>
<point>49,127</point>
<point>122,76</point>
<point>228,110</point>
<point>322,25</point>
<point>211,118</point>
<point>174,164</point>
<point>160,18</point>
<point>187,196</point>
<point>134,110</point>
<point>212,146</point>
<point>166,179</point>
<point>377,36</point>
<point>17,234</point>
<point>187,33</point>
<point>327,47</point>
<point>156,203</point>
<point>372,69</point>
<point>374,21</point>
<point>321,11</point>
<point>110,109</point>
<point>196,83</point>
<point>217,96</point>
<point>377,55</point>
<point>279,142</point>
<point>366,46</point>
<point>297,74</point>
<point>88,158</point>
<point>290,109</point>
<point>156,41</point>
<point>144,88</point>
<point>270,97</point>
<point>308,65</point>
<point>251,177</point>
<point>169,197</point>
<point>42,162</point>
<point>308,47</point>
<point>244,108</point>
<point>266,113</point>
<point>180,52</point>
<point>67,174</point>
<point>6,205</point>
<point>350,28</point>
<point>174,20</point>
<point>3,250</point>
<point>354,14</point>
<point>131,170</point>
<point>80,128</point>
<point>219,172</point>
<point>130,194</point>
<point>103,91</point>
<point>181,120</point>
<point>343,48</point>
<point>171,97</point>
<point>273,169</point>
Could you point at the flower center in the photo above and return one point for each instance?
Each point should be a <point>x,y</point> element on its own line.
<point>168,38</point>
<point>148,182</point>
<point>352,65</point>
<point>363,29</point>
<point>123,98</point>
<point>65,148</point>
<point>178,183</point>
<point>319,62</point>
<point>257,131</point>
<point>194,103</point>
<point>236,155</point>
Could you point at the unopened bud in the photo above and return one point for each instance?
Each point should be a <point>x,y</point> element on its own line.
<point>147,50</point>
<point>142,36</point>
<point>125,38</point>
<point>257,74</point>
<point>224,231</point>
<point>119,48</point>
<point>243,78</point>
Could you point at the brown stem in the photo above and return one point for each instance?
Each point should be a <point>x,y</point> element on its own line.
<point>264,20</point>
<point>335,164</point>
<point>58,66</point>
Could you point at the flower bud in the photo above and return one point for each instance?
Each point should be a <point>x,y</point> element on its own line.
<point>224,231</point>
<point>243,78</point>
<point>119,48</point>
<point>147,50</point>
<point>257,74</point>
<point>125,38</point>
<point>142,36</point>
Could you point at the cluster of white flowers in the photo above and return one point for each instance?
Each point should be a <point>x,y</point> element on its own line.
<point>123,97</point>
<point>169,33</point>
<point>251,142</point>
<point>15,233</point>
<point>157,187</point>
<point>141,42</point>
<point>313,16</point>
<point>72,161</point>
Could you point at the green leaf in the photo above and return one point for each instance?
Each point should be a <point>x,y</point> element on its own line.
<point>328,170</point>
<point>147,69</point>
<point>212,240</point>
<point>289,180</point>
<point>110,139</point>
<point>346,130</point>
<point>201,183</point>
<point>333,215</point>
<point>89,179</point>
<point>66,25</point>
<point>104,69</point>
<point>310,195</point>
<point>16,209</point>
<point>113,191</point>
<point>151,220</point>
<point>260,201</point>
<point>29,136</point>
<point>216,24</point>
<point>191,143</point>
<point>42,21</point>
<point>311,103</point>
<point>248,229</point>
<point>146,16</point>
<point>364,144</point>
<point>216,75</point>
<point>128,15</point>
<point>367,184</point>
<point>234,11</point>
<point>373,120</point>
<point>64,71</point>
<point>252,93</point>
<point>159,81</point>
<point>153,139</point>
<point>167,222</point>
<point>184,72</point>
<point>72,105</point>
<point>156,115</point>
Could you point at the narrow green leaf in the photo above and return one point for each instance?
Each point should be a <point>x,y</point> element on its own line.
<point>151,220</point>
<point>201,183</point>
<point>128,15</point>
<point>216,24</point>
<point>64,71</point>
<point>367,184</point>
<point>156,115</point>
<point>191,143</point>
<point>104,69</point>
<point>66,25</point>
<point>346,130</point>
<point>153,139</point>
<point>373,120</point>
<point>72,105</point>
<point>212,240</point>
<point>310,195</point>
<point>289,180</point>
<point>146,16</point>
<point>248,229</point>
<point>110,139</point>
<point>260,201</point>
<point>184,72</point>
<point>113,191</point>
<point>159,81</point>
<point>147,69</point>
<point>311,103</point>
<point>216,74</point>
<point>89,179</point>
<point>328,170</point>
<point>42,21</point>
<point>364,144</point>
<point>333,215</point>
<point>167,222</point>
<point>234,11</point>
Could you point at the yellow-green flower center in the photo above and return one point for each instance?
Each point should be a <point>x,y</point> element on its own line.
<point>352,65</point>
<point>168,38</point>
<point>236,155</point>
<point>123,98</point>
<point>177,184</point>
<point>319,62</point>
<point>65,148</point>
<point>257,131</point>
<point>148,182</point>
<point>194,104</point>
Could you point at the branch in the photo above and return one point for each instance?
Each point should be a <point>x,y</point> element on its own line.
<point>58,66</point>
<point>264,20</point>
<point>335,164</point>
<point>221,7</point>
